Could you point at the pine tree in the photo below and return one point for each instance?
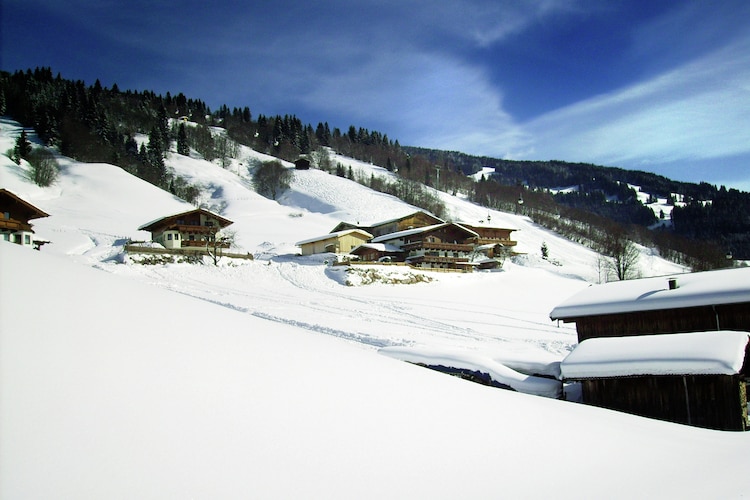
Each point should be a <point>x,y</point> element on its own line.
<point>22,148</point>
<point>182,142</point>
<point>155,158</point>
<point>163,128</point>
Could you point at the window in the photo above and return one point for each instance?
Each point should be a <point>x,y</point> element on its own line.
<point>169,236</point>
<point>209,223</point>
<point>6,215</point>
<point>27,239</point>
<point>177,236</point>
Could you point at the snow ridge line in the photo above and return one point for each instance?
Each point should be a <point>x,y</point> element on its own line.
<point>355,337</point>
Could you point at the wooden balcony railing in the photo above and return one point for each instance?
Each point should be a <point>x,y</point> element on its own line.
<point>429,245</point>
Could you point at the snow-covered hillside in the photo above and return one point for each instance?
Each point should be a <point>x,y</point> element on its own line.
<point>263,378</point>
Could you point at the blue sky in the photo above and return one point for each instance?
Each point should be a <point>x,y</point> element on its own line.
<point>662,86</point>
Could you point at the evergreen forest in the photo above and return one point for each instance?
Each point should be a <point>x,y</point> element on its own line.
<point>91,123</point>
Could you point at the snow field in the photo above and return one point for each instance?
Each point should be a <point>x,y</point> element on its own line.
<point>262,378</point>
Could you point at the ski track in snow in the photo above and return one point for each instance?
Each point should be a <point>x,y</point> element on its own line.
<point>305,296</point>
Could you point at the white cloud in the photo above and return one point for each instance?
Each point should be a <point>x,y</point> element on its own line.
<point>698,111</point>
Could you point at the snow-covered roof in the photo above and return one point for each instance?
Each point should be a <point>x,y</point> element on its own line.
<point>380,247</point>
<point>222,220</point>
<point>337,234</point>
<point>410,214</point>
<point>698,353</point>
<point>379,223</point>
<point>724,286</point>
<point>418,230</point>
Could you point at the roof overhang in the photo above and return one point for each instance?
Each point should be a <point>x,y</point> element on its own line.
<point>161,221</point>
<point>709,288</point>
<point>697,353</point>
<point>333,236</point>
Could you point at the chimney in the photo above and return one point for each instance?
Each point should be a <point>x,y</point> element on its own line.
<point>673,283</point>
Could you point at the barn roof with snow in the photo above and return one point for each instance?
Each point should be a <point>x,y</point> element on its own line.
<point>696,353</point>
<point>724,286</point>
<point>690,302</point>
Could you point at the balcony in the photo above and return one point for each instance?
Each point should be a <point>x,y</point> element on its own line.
<point>14,225</point>
<point>430,245</point>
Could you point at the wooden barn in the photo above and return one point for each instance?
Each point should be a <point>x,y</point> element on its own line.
<point>194,228</point>
<point>697,378</point>
<point>339,242</point>
<point>691,302</point>
<point>14,225</point>
<point>302,164</point>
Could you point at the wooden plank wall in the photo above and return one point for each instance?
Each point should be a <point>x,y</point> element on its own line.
<point>711,401</point>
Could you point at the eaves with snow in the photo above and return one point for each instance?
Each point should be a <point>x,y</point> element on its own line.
<point>695,353</point>
<point>709,288</point>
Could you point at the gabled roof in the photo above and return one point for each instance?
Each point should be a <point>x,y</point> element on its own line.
<point>412,214</point>
<point>419,230</point>
<point>697,353</point>
<point>331,236</point>
<point>26,209</point>
<point>347,225</point>
<point>709,288</point>
<point>161,221</point>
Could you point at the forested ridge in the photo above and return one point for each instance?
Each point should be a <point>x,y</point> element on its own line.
<point>97,124</point>
<point>702,212</point>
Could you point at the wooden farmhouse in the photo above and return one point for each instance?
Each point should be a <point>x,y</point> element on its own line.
<point>447,245</point>
<point>339,242</point>
<point>692,302</point>
<point>697,378</point>
<point>410,221</point>
<point>492,240</point>
<point>422,240</point>
<point>195,228</point>
<point>14,225</point>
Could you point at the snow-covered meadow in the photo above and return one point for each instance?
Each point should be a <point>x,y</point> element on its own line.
<point>263,378</point>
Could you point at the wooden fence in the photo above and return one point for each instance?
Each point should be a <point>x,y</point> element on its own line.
<point>184,251</point>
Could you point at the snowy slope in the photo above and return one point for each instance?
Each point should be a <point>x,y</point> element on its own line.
<point>263,378</point>
<point>111,388</point>
<point>95,208</point>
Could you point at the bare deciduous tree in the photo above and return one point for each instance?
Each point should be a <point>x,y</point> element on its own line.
<point>271,178</point>
<point>622,253</point>
<point>44,167</point>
